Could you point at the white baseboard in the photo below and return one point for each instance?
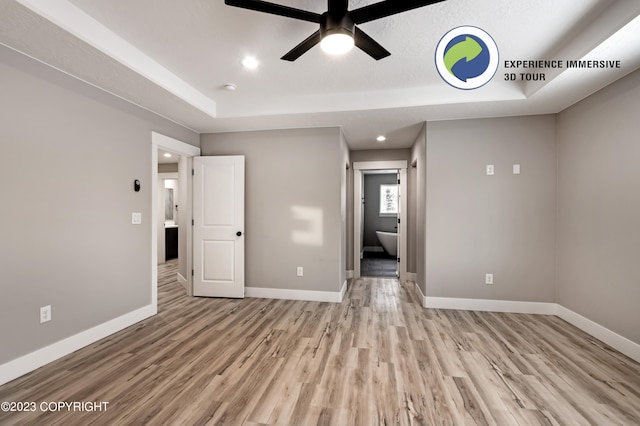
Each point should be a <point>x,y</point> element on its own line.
<point>421,295</point>
<point>540,308</point>
<point>412,276</point>
<point>616,341</point>
<point>182,281</point>
<point>376,249</point>
<point>288,294</point>
<point>34,360</point>
<point>343,290</point>
<point>620,343</point>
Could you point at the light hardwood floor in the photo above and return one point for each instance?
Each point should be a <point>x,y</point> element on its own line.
<point>378,358</point>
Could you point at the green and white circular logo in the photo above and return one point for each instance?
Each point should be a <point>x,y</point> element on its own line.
<point>467,57</point>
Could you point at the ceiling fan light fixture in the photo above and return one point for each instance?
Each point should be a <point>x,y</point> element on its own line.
<point>337,43</point>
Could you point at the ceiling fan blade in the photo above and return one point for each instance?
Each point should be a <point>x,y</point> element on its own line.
<point>275,9</point>
<point>386,8</point>
<point>338,7</point>
<point>302,48</point>
<point>369,45</point>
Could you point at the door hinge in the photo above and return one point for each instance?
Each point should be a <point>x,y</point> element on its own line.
<point>398,220</point>
<point>193,172</point>
<point>192,274</point>
<point>398,260</point>
<point>398,181</point>
<point>193,222</point>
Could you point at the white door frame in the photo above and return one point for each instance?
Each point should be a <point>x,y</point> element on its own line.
<point>184,149</point>
<point>358,168</point>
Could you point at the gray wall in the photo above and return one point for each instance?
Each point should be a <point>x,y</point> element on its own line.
<point>70,154</point>
<point>417,205</point>
<point>599,208</point>
<point>168,168</point>
<point>372,220</point>
<point>346,215</point>
<point>502,224</point>
<point>286,170</point>
<point>380,155</point>
<point>184,220</point>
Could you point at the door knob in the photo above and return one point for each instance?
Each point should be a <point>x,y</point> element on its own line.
<point>239,233</point>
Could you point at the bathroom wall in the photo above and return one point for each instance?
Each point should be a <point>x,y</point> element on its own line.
<point>372,220</point>
<point>173,185</point>
<point>164,179</point>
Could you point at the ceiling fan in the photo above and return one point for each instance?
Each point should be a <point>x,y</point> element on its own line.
<point>338,32</point>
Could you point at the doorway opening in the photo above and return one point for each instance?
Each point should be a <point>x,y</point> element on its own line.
<point>379,244</point>
<point>379,237</point>
<point>170,204</point>
<point>176,215</point>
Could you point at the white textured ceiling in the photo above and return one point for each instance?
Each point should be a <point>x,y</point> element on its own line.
<point>173,57</point>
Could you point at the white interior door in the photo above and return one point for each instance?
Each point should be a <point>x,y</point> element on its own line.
<point>218,228</point>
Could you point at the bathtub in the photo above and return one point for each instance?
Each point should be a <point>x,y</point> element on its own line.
<point>389,241</point>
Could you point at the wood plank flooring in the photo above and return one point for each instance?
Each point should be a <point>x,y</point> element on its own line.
<point>378,358</point>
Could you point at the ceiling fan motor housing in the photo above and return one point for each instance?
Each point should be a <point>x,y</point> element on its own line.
<point>336,25</point>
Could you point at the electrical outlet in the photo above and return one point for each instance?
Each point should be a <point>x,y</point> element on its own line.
<point>299,271</point>
<point>45,314</point>
<point>488,278</point>
<point>136,218</point>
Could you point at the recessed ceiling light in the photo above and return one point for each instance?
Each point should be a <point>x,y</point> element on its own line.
<point>168,155</point>
<point>381,138</point>
<point>250,62</point>
<point>230,87</point>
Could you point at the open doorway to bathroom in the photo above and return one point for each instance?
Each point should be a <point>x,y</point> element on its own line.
<point>380,238</point>
<point>171,188</point>
<point>168,217</point>
<point>168,210</point>
<point>380,208</point>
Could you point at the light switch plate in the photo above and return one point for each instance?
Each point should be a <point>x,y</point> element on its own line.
<point>136,218</point>
<point>516,169</point>
<point>490,170</point>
